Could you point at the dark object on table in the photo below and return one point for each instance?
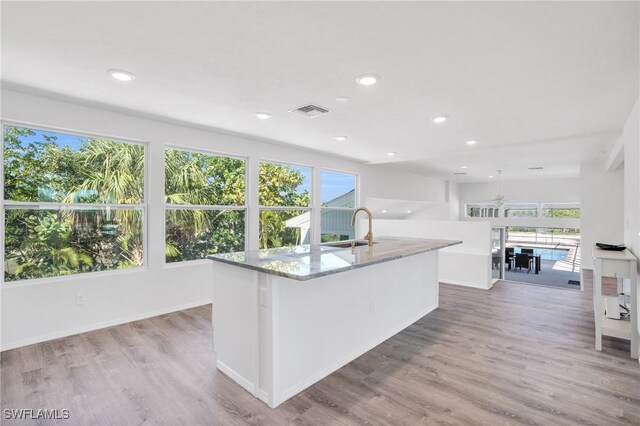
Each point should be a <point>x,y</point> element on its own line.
<point>526,250</point>
<point>611,247</point>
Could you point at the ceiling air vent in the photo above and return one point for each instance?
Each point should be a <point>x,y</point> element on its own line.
<point>310,111</point>
<point>536,168</point>
<point>460,173</point>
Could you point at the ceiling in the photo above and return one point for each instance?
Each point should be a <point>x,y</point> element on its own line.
<point>539,84</point>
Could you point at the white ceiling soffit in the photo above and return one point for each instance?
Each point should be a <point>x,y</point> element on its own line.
<point>532,81</point>
<point>555,158</point>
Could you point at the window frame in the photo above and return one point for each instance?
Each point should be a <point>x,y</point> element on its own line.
<point>49,205</point>
<point>535,207</point>
<point>310,208</point>
<point>560,206</point>
<point>206,207</point>
<point>495,210</point>
<point>351,209</point>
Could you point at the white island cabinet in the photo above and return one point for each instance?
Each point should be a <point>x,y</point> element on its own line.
<point>285,318</point>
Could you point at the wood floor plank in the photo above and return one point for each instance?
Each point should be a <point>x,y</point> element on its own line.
<point>517,354</point>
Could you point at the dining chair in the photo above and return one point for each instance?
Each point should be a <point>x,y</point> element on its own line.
<point>523,261</point>
<point>508,255</point>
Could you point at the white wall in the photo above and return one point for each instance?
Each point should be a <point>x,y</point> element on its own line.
<point>631,144</point>
<point>454,201</point>
<point>40,310</point>
<point>381,181</point>
<point>602,206</point>
<point>440,211</point>
<point>522,191</point>
<point>565,190</point>
<point>599,193</point>
<point>448,209</point>
<point>631,141</point>
<point>467,264</point>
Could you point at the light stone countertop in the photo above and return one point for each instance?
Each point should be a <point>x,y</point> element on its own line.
<point>307,261</point>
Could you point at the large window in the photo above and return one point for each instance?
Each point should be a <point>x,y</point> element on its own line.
<point>482,210</point>
<point>520,210</point>
<point>205,204</point>
<point>338,197</point>
<point>72,204</point>
<point>284,192</point>
<point>561,211</point>
<point>543,236</point>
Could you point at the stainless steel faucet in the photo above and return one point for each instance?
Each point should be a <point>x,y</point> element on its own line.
<point>369,236</point>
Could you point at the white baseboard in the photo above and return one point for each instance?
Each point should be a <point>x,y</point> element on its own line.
<point>467,284</point>
<point>97,326</point>
<point>302,385</point>
<point>236,377</point>
<point>263,396</point>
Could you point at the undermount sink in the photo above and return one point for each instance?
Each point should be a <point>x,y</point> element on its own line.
<point>348,244</point>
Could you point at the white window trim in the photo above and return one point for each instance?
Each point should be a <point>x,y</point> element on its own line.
<point>208,207</point>
<point>281,208</point>
<point>9,204</point>
<point>357,188</point>
<point>311,186</point>
<point>312,197</point>
<point>350,209</point>
<point>481,206</point>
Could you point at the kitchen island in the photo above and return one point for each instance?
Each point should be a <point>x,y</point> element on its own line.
<point>285,318</point>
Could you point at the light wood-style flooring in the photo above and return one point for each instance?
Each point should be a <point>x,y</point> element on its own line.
<point>517,354</point>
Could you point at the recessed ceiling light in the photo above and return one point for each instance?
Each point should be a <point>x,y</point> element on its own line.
<point>472,142</point>
<point>368,79</point>
<point>340,138</point>
<point>490,177</point>
<point>122,75</point>
<point>391,154</point>
<point>263,115</point>
<point>408,211</point>
<point>343,99</point>
<point>440,119</point>
<point>384,211</point>
<point>464,167</point>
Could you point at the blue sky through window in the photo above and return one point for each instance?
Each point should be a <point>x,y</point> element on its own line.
<point>332,184</point>
<point>62,140</point>
<point>335,184</point>
<point>306,183</point>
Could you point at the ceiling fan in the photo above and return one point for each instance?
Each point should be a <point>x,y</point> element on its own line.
<point>499,199</point>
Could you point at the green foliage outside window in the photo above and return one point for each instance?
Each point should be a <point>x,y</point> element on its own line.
<point>45,240</point>
<point>48,240</point>
<point>281,185</point>
<point>197,179</point>
<point>274,231</point>
<point>193,234</point>
<point>562,213</point>
<point>520,212</point>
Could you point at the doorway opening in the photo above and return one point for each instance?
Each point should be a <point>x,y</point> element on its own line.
<point>545,256</point>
